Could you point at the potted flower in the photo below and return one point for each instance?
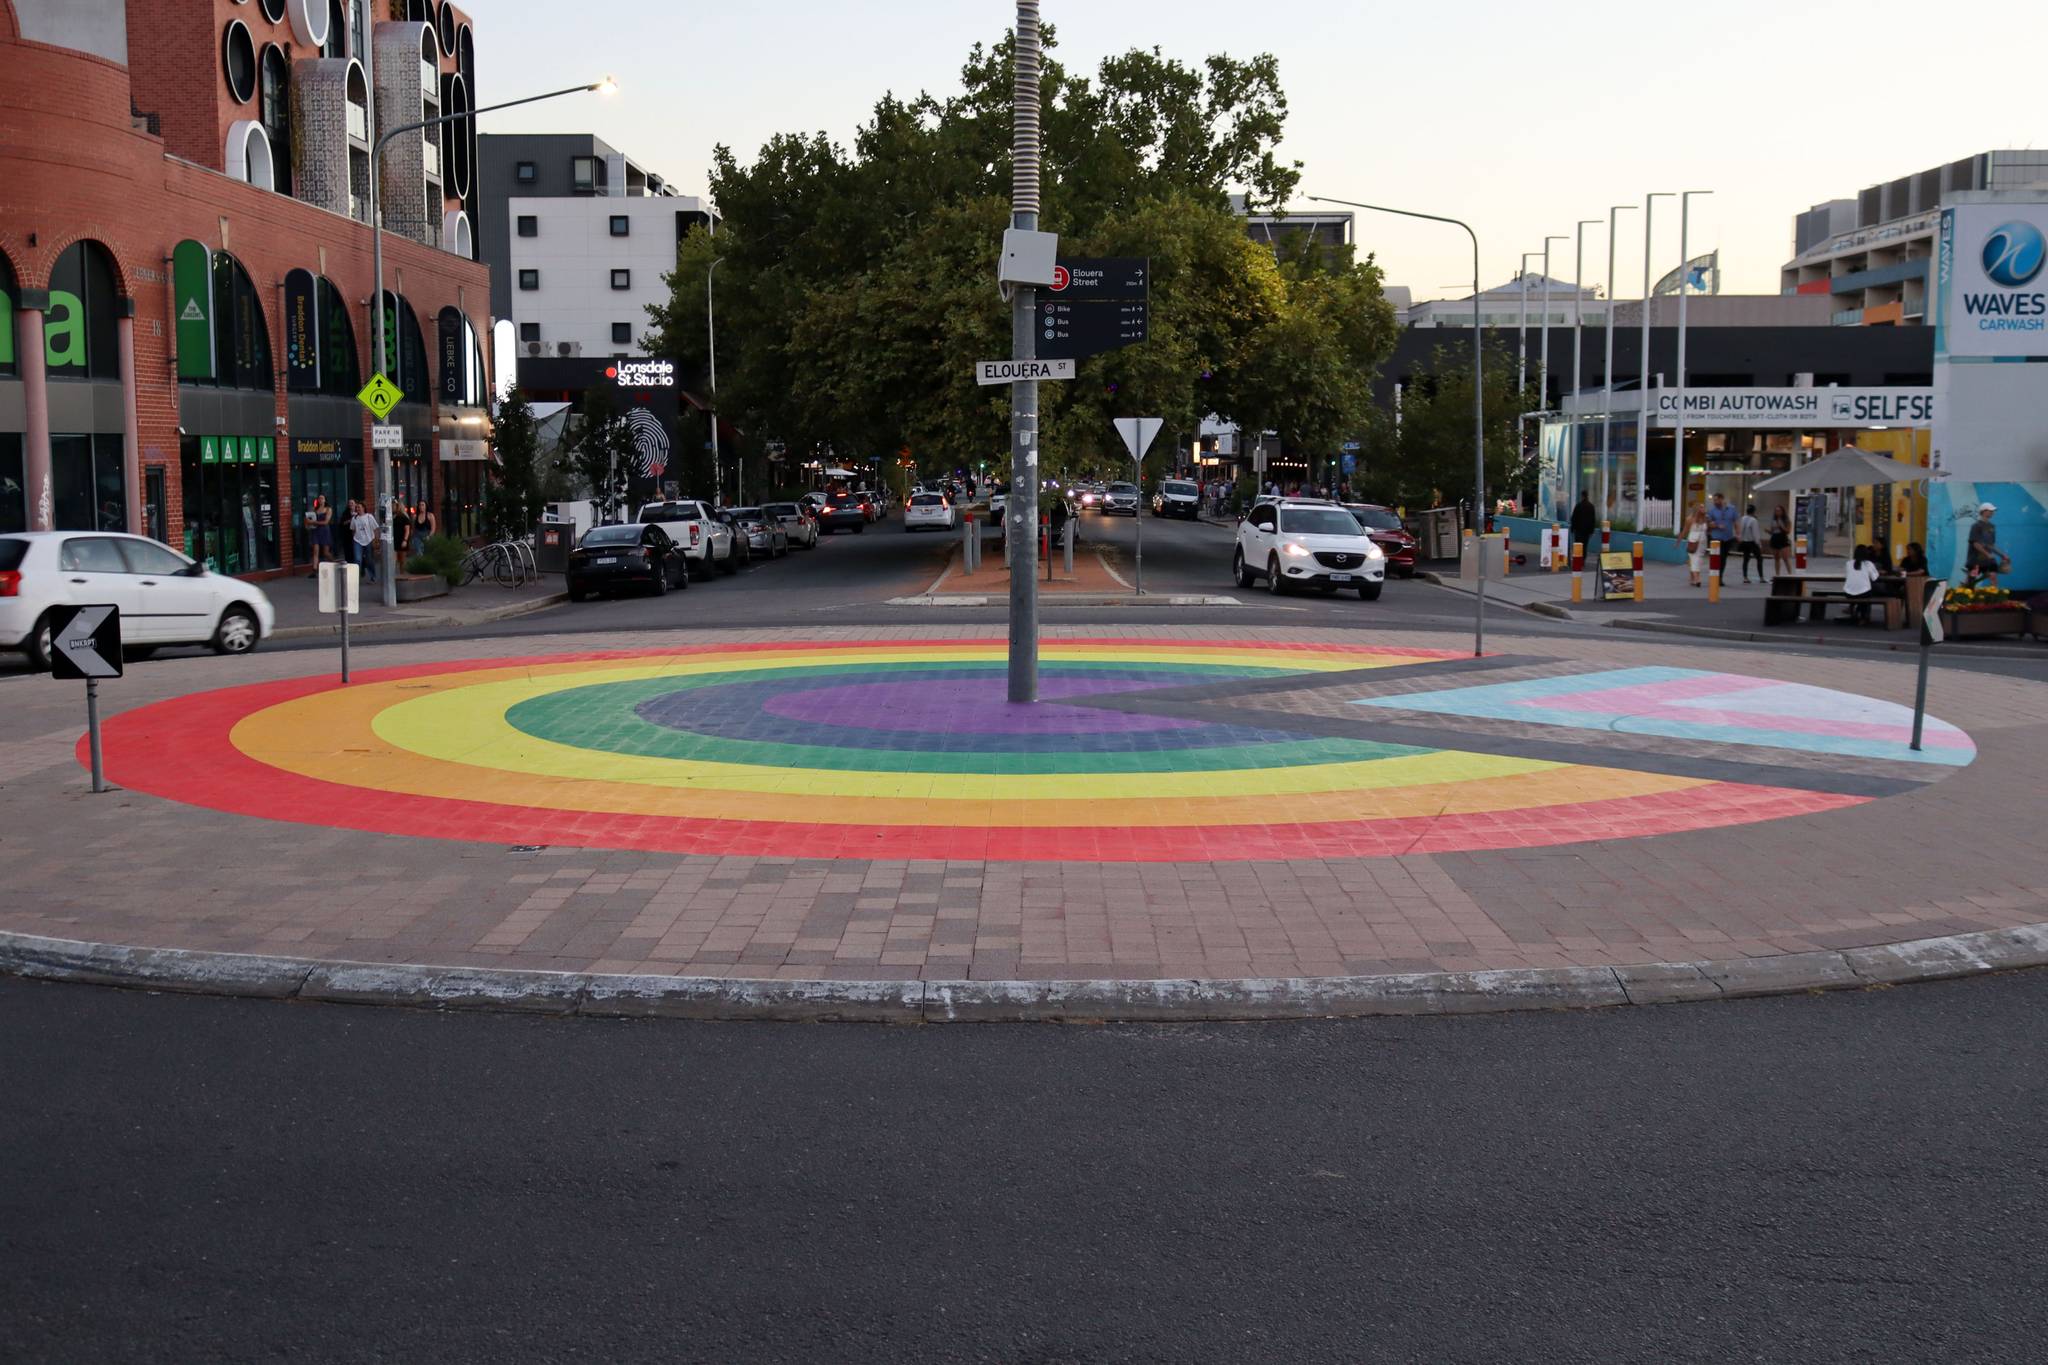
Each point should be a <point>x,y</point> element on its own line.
<point>1982,611</point>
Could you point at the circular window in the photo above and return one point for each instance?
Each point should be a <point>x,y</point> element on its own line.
<point>273,10</point>
<point>448,28</point>
<point>238,61</point>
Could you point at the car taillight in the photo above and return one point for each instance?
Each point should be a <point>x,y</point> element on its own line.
<point>695,530</point>
<point>10,583</point>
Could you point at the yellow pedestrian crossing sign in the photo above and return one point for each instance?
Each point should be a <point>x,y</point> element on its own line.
<point>380,396</point>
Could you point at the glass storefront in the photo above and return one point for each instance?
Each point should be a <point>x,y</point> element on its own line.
<point>462,497</point>
<point>328,467</point>
<point>231,518</point>
<point>13,484</point>
<point>88,487</point>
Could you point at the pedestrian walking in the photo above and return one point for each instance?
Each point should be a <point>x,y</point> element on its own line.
<point>363,530</point>
<point>1721,521</point>
<point>1781,541</point>
<point>1984,561</point>
<point>1696,545</point>
<point>1585,522</point>
<point>401,530</point>
<point>1748,537</point>
<point>320,532</point>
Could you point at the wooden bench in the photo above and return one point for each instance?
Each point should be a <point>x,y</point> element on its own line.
<point>1779,610</point>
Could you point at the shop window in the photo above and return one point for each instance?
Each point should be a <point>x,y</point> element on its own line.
<point>462,498</point>
<point>231,519</point>
<point>529,226</point>
<point>13,484</point>
<point>622,279</point>
<point>529,331</point>
<point>529,279</point>
<point>79,331</point>
<point>622,333</point>
<point>526,173</point>
<point>86,480</point>
<point>241,338</point>
<point>622,226</point>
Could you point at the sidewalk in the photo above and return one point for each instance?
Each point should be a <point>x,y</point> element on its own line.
<point>297,599</point>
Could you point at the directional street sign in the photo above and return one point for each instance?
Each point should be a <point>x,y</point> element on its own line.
<point>1010,371</point>
<point>387,436</point>
<point>88,642</point>
<point>1930,615</point>
<point>1138,433</point>
<point>1096,304</point>
<point>380,396</point>
<point>1090,278</point>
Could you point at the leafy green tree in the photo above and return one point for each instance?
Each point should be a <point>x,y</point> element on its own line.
<point>514,499</point>
<point>1426,458</point>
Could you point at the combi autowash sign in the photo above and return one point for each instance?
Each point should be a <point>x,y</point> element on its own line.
<point>1992,269</point>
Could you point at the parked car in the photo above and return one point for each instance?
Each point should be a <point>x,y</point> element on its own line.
<point>928,512</point>
<point>797,522</point>
<point>843,511</point>
<point>1387,532</point>
<point>707,540</point>
<point>1120,499</point>
<point>1177,498</point>
<point>1302,543</point>
<point>165,598</point>
<point>631,555</point>
<point>763,531</point>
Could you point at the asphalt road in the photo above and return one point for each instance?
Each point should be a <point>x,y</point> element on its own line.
<point>1852,1176</point>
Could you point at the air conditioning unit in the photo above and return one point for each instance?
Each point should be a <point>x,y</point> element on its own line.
<point>533,348</point>
<point>562,347</point>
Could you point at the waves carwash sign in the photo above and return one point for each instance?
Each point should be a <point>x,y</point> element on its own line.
<point>1992,273</point>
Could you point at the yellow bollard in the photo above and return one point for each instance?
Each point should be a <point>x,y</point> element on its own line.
<point>1714,572</point>
<point>1507,555</point>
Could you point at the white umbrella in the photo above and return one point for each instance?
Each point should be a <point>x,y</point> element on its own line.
<point>1845,468</point>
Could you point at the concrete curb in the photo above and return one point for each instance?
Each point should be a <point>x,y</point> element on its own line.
<point>597,995</point>
<point>357,629</point>
<point>1792,637</point>
<point>1547,609</point>
<point>1072,599</point>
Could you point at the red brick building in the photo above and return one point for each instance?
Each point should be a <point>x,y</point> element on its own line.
<point>185,266</point>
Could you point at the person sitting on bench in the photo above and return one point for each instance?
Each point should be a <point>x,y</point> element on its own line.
<point>1860,580</point>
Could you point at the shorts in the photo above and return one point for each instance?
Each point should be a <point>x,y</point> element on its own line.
<point>1780,541</point>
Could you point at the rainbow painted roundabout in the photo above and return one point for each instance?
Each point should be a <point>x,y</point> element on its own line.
<point>1140,750</point>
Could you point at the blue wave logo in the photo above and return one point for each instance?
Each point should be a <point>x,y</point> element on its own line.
<point>2013,253</point>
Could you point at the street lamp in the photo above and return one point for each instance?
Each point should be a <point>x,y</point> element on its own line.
<point>711,345</point>
<point>1478,404</point>
<point>1607,365</point>
<point>1522,326</point>
<point>1678,432</point>
<point>1578,354</point>
<point>605,86</point>
<point>1643,379</point>
<point>1543,352</point>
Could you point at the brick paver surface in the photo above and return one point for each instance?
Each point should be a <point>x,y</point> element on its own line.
<point>1938,851</point>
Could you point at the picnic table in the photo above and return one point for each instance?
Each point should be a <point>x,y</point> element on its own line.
<point>1815,592</point>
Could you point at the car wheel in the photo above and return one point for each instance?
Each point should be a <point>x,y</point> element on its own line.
<point>237,633</point>
<point>1238,570</point>
<point>577,594</point>
<point>661,583</point>
<point>41,645</point>
<point>1369,592</point>
<point>1273,583</point>
<point>861,527</point>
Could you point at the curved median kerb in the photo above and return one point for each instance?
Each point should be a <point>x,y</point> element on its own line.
<point>599,995</point>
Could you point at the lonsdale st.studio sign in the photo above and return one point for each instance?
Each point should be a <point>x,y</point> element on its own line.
<point>642,374</point>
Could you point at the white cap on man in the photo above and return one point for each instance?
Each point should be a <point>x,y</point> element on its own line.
<point>1984,507</point>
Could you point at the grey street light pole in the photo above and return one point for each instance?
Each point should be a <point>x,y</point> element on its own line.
<point>711,347</point>
<point>1643,378</point>
<point>377,298</point>
<point>1678,431</point>
<point>1607,365</point>
<point>1575,455</point>
<point>1020,538</point>
<point>1522,327</point>
<point>1543,350</point>
<point>1478,405</point>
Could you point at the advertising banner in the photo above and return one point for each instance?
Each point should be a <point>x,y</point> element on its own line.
<point>1992,287</point>
<point>301,333</point>
<point>451,349</point>
<point>192,308</point>
<point>1790,408</point>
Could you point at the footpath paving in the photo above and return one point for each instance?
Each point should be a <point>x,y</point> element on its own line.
<point>297,600</point>
<point>1195,821</point>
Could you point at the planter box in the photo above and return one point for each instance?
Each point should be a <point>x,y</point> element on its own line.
<point>418,587</point>
<point>1962,625</point>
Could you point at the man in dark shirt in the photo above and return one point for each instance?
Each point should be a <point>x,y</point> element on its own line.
<point>1721,520</point>
<point>1585,525</point>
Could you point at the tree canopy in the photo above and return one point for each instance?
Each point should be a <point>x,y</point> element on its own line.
<point>856,286</point>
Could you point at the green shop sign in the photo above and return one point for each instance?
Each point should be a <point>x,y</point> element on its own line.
<point>209,450</point>
<point>192,308</point>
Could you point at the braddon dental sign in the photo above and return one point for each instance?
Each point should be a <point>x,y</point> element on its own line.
<point>1993,289</point>
<point>642,374</point>
<point>1829,407</point>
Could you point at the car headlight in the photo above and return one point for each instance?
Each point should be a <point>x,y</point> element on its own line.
<point>1293,551</point>
<point>1375,552</point>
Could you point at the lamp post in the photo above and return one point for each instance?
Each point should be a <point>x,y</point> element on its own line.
<point>1607,365</point>
<point>1643,378</point>
<point>1678,431</point>
<point>1578,351</point>
<point>1522,328</point>
<point>711,346</point>
<point>607,85</point>
<point>1543,351</point>
<point>1478,404</point>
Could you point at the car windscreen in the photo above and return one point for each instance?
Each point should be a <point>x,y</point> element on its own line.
<point>12,552</point>
<point>670,511</point>
<point>1317,521</point>
<point>1123,488</point>
<point>1375,518</point>
<point>612,535</point>
<point>927,500</point>
<point>781,509</point>
<point>1179,490</point>
<point>747,513</point>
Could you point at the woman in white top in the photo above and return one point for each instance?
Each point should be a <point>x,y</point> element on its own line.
<point>1858,580</point>
<point>1696,544</point>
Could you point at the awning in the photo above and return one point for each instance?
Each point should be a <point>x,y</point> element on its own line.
<point>1845,468</point>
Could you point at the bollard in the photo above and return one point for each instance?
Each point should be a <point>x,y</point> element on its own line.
<point>1067,545</point>
<point>1714,572</point>
<point>1556,555</point>
<point>1636,553</point>
<point>1507,555</point>
<point>1799,553</point>
<point>1578,570</point>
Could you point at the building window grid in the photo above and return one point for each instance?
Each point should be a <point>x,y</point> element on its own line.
<point>622,333</point>
<point>529,225</point>
<point>622,226</point>
<point>526,172</point>
<point>622,279</point>
<point>529,279</point>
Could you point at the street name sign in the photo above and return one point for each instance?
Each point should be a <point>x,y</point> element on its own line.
<point>87,642</point>
<point>387,436</point>
<point>1011,371</point>
<point>380,396</point>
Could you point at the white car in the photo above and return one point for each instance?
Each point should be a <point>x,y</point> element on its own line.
<point>797,523</point>
<point>165,598</point>
<point>1119,499</point>
<point>1298,542</point>
<point>928,512</point>
<point>707,542</point>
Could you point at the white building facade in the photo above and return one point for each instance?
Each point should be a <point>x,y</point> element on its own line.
<point>585,270</point>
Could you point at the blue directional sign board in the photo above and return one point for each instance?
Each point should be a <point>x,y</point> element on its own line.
<point>1095,304</point>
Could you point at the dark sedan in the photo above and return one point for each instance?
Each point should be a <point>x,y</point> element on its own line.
<point>843,511</point>
<point>1387,532</point>
<point>633,555</point>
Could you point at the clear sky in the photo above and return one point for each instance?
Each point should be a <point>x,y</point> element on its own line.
<point>1472,108</point>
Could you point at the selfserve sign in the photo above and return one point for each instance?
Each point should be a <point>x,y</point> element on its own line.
<point>1993,287</point>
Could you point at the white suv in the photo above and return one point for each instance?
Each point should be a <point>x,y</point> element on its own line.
<point>707,542</point>
<point>165,598</point>
<point>1297,541</point>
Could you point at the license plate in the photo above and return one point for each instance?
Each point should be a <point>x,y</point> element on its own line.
<point>1340,578</point>
<point>609,559</point>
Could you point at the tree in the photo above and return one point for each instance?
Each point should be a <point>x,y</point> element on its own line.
<point>1426,458</point>
<point>515,499</point>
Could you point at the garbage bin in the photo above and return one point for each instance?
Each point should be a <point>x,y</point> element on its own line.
<point>552,541</point>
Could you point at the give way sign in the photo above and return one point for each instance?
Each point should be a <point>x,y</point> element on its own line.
<point>1138,433</point>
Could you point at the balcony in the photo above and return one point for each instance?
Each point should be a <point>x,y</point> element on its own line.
<point>358,123</point>
<point>430,159</point>
<point>430,78</point>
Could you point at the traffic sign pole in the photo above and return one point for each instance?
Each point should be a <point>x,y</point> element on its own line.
<point>1022,536</point>
<point>86,644</point>
<point>92,728</point>
<point>1930,634</point>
